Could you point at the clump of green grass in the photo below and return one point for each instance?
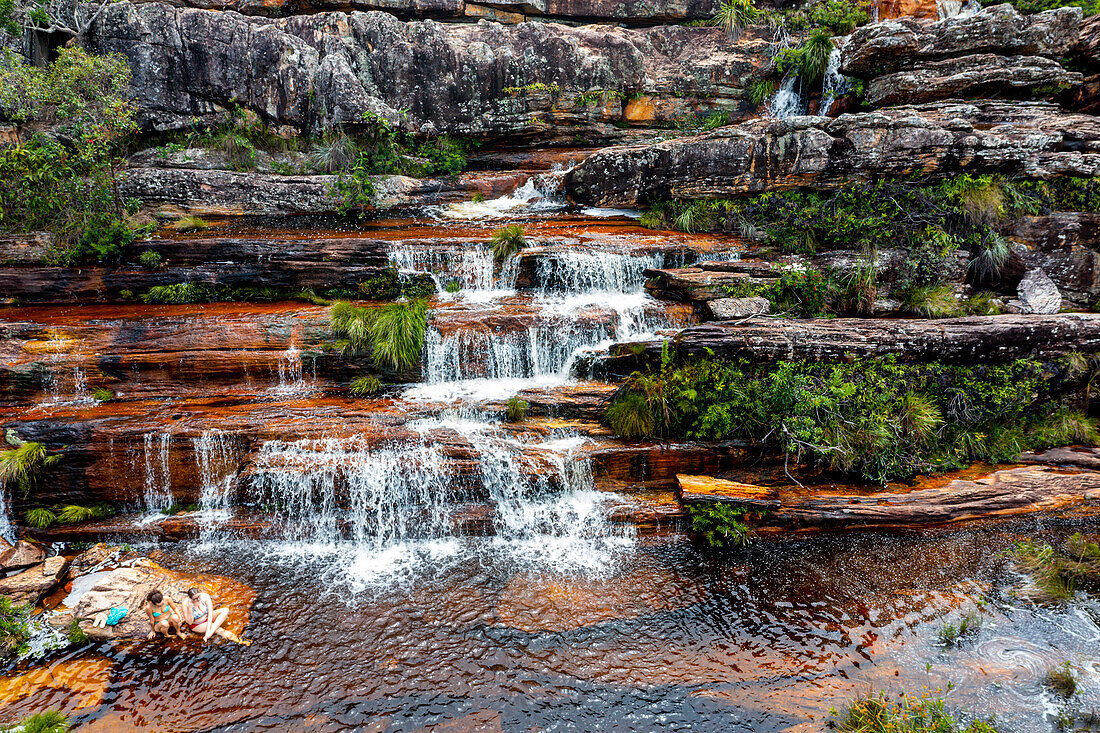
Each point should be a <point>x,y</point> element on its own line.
<point>1064,427</point>
<point>762,90</point>
<point>734,16</point>
<point>333,153</point>
<point>630,416</point>
<point>365,386</point>
<point>1061,680</point>
<point>189,223</point>
<point>990,258</point>
<point>507,241</point>
<point>954,633</point>
<point>878,713</point>
<point>452,287</point>
<point>516,410</point>
<point>150,259</point>
<point>102,394</point>
<point>397,333</point>
<point>178,293</point>
<point>76,634</point>
<point>50,721</point>
<point>1055,577</point>
<point>24,466</point>
<point>40,518</point>
<point>75,513</point>
<point>930,301</point>
<point>352,323</point>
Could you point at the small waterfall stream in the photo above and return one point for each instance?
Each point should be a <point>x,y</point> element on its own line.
<point>787,101</point>
<point>158,472</point>
<point>834,84</point>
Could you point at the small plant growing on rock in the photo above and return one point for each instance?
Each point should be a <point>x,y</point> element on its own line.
<point>452,286</point>
<point>720,525</point>
<point>761,91</point>
<point>879,713</point>
<point>74,513</point>
<point>516,410</point>
<point>351,323</point>
<point>1061,680</point>
<point>333,153</point>
<point>50,721</point>
<point>76,635</point>
<point>630,416</point>
<point>507,241</point>
<point>24,466</point>
<point>179,293</point>
<point>151,260</point>
<point>952,634</point>
<point>930,301</point>
<point>990,258</point>
<point>478,197</point>
<point>102,394</point>
<point>734,16</point>
<point>1064,427</point>
<point>365,386</point>
<point>397,333</point>
<point>14,632</point>
<point>40,518</point>
<point>187,224</point>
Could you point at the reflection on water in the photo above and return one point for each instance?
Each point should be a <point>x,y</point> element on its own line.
<point>667,639</point>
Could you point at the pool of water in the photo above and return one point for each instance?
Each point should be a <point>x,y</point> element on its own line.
<point>654,636</point>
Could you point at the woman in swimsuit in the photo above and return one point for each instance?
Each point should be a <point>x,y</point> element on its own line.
<point>163,615</point>
<point>202,617</point>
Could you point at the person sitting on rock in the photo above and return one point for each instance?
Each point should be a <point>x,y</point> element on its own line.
<point>163,615</point>
<point>203,618</point>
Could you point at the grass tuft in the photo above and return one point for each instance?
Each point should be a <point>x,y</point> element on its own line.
<point>630,416</point>
<point>189,223</point>
<point>507,241</point>
<point>516,410</point>
<point>365,386</point>
<point>24,466</point>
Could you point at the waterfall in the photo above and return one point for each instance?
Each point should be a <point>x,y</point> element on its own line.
<point>158,472</point>
<point>291,374</point>
<point>834,84</point>
<point>539,193</point>
<point>217,455</point>
<point>473,269</point>
<point>787,101</point>
<point>7,529</point>
<point>594,272</point>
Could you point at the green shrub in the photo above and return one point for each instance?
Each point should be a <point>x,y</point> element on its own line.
<point>24,466</point>
<point>417,286</point>
<point>840,17</point>
<point>102,394</point>
<point>762,90</point>
<point>75,634</point>
<point>734,16</point>
<point>39,517</point>
<point>720,525</point>
<point>507,241</point>
<point>14,632</point>
<point>386,285</point>
<point>452,286</point>
<point>179,293</point>
<point>365,386</point>
<point>1089,7</point>
<point>809,60</point>
<point>68,188</point>
<point>802,293</point>
<point>151,260</point>
<point>516,410</point>
<point>630,416</point>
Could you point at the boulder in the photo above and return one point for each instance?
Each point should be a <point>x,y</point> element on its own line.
<point>883,48</point>
<point>128,587</point>
<point>93,559</point>
<point>518,82</point>
<point>1065,246</point>
<point>33,584</point>
<point>1027,139</point>
<point>1037,293</point>
<point>21,555</point>
<point>724,309</point>
<point>980,75</point>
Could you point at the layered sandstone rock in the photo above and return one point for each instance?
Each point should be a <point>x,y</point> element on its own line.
<point>34,583</point>
<point>483,80</point>
<point>1029,139</point>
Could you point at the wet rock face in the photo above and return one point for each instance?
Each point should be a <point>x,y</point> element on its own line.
<point>1064,245</point>
<point>884,48</point>
<point>21,555</point>
<point>31,585</point>
<point>1031,139</point>
<point>315,71</point>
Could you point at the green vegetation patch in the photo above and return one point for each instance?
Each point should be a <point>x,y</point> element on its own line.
<point>882,713</point>
<point>393,333</point>
<point>875,419</point>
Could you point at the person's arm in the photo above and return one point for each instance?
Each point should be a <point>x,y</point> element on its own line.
<point>175,609</point>
<point>152,624</point>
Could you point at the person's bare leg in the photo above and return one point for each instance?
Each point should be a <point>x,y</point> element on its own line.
<point>217,618</point>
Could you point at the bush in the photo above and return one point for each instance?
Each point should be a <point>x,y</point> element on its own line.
<point>150,260</point>
<point>516,410</point>
<point>802,293</point>
<point>735,15</point>
<point>24,466</point>
<point>840,16</point>
<point>69,189</point>
<point>507,241</point>
<point>179,293</point>
<point>809,60</point>
<point>14,632</point>
<point>720,525</point>
<point>876,419</point>
<point>386,285</point>
<point>397,334</point>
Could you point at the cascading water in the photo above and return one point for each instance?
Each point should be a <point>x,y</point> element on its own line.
<point>787,101</point>
<point>217,456</point>
<point>834,84</point>
<point>158,472</point>
<point>292,378</point>
<point>539,193</point>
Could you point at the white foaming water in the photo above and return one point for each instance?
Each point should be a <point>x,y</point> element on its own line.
<point>591,272</point>
<point>158,473</point>
<point>540,193</point>
<point>7,529</point>
<point>387,509</point>
<point>834,84</point>
<point>292,378</point>
<point>217,455</point>
<point>787,101</point>
<point>473,269</point>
